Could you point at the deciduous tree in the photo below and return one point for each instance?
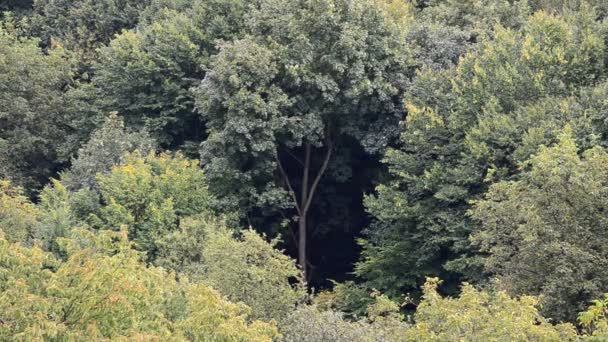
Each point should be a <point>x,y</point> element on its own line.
<point>104,291</point>
<point>545,233</point>
<point>150,195</point>
<point>281,102</point>
<point>36,113</point>
<point>468,127</point>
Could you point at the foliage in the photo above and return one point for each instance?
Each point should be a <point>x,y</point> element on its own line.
<point>595,320</point>
<point>18,216</point>
<point>560,6</point>
<point>83,25</point>
<point>106,147</point>
<point>349,297</point>
<point>424,138</point>
<point>56,216</point>
<point>181,250</point>
<point>34,109</point>
<point>482,316</point>
<point>468,127</point>
<point>477,17</point>
<point>103,291</point>
<point>151,195</point>
<point>308,79</point>
<point>248,269</point>
<point>310,324</point>
<point>16,6</point>
<point>244,268</point>
<point>254,98</point>
<point>437,46</point>
<point>146,74</point>
<point>545,232</point>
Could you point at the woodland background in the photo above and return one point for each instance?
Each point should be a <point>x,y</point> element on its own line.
<point>304,170</point>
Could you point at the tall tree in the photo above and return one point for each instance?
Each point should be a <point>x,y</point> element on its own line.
<point>467,128</point>
<point>281,102</point>
<point>546,233</point>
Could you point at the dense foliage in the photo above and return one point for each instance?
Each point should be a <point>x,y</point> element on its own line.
<point>504,101</point>
<point>304,170</point>
<point>35,109</point>
<point>103,291</point>
<point>544,233</point>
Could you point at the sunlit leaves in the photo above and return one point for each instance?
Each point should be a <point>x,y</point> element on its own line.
<point>482,316</point>
<point>150,194</point>
<point>103,291</point>
<point>18,216</point>
<point>545,234</point>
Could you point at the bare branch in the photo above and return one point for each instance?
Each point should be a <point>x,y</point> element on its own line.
<point>295,157</point>
<point>319,175</point>
<point>286,179</point>
<point>306,171</point>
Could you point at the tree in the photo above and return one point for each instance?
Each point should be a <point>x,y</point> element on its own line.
<point>151,195</point>
<point>467,128</point>
<point>545,233</point>
<point>146,74</point>
<point>437,46</point>
<point>595,320</point>
<point>477,17</point>
<point>242,266</point>
<point>35,111</point>
<point>83,25</point>
<point>252,271</point>
<point>105,148</point>
<point>56,217</point>
<point>482,316</point>
<point>281,102</point>
<point>103,291</point>
<point>18,216</point>
<point>309,323</point>
<point>475,315</point>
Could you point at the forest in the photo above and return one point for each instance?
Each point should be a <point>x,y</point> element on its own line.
<point>304,170</point>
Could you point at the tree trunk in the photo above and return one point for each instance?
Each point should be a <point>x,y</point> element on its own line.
<point>306,194</point>
<point>302,231</point>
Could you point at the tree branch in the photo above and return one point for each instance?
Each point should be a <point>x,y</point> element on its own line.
<point>286,179</point>
<point>318,177</point>
<point>295,157</point>
<point>304,196</point>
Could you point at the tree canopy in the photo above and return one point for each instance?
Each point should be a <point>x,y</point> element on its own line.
<point>294,87</point>
<point>303,170</point>
<point>103,291</point>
